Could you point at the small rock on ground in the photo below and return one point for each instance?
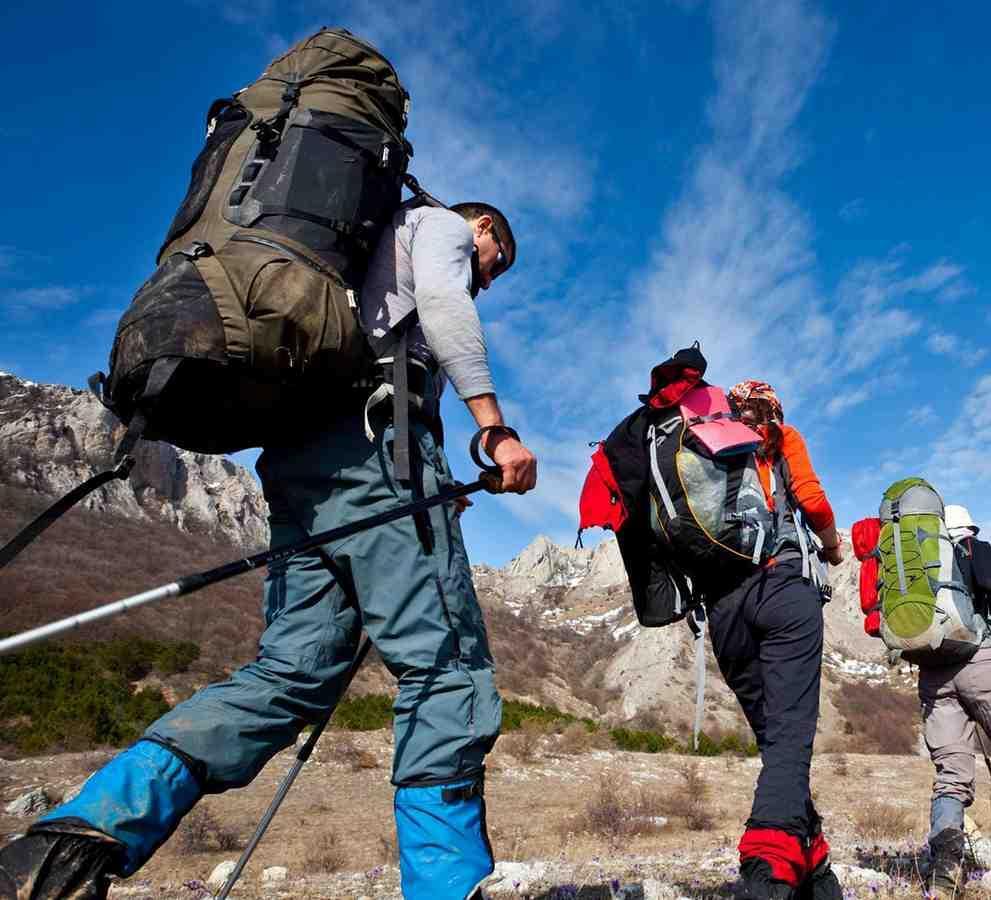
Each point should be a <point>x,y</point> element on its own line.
<point>30,804</point>
<point>855,876</point>
<point>218,877</point>
<point>514,878</point>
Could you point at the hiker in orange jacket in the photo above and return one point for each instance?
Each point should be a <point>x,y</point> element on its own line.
<point>767,631</point>
<point>759,407</point>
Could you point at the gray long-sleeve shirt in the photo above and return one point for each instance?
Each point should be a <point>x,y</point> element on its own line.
<point>423,260</point>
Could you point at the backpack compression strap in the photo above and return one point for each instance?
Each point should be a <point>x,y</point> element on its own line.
<point>158,377</point>
<point>784,502</point>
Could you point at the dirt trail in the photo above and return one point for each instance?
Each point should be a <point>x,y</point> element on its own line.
<point>334,834</point>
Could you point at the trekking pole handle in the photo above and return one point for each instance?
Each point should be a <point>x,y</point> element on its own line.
<point>491,473</point>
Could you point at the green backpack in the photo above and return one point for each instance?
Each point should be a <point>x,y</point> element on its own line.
<point>927,610</point>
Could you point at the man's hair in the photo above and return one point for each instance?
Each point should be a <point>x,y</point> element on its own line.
<point>474,210</point>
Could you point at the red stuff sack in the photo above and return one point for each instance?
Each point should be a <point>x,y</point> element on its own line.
<point>864,536</point>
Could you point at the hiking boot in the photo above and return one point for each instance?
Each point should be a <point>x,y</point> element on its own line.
<point>73,864</point>
<point>945,879</point>
<point>822,884</point>
<point>757,883</point>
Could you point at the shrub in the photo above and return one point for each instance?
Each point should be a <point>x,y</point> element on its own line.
<point>363,713</point>
<point>348,753</point>
<point>322,852</point>
<point>879,719</point>
<point>201,832</point>
<point>876,820</point>
<point>616,811</point>
<point>75,696</point>
<point>642,741</point>
<point>176,656</point>
<point>731,742</point>
<point>515,714</point>
<point>576,739</point>
<point>688,798</point>
<point>524,742</point>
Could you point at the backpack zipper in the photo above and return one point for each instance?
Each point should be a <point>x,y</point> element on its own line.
<point>295,254</point>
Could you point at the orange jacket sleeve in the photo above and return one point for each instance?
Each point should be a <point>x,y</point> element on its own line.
<point>805,484</point>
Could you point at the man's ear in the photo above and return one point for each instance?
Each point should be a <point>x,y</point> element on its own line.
<point>482,224</point>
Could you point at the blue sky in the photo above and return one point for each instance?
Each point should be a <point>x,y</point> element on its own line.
<point>802,186</point>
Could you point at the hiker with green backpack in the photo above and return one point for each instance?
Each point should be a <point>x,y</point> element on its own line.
<point>344,442</point>
<point>932,591</point>
<point>713,499</point>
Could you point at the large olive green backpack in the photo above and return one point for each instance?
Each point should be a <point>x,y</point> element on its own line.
<point>253,305</point>
<point>249,324</point>
<point>927,610</point>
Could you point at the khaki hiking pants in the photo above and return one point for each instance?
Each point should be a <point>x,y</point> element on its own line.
<point>955,700</point>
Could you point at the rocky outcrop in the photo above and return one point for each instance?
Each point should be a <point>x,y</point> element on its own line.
<point>53,438</point>
<point>652,669</point>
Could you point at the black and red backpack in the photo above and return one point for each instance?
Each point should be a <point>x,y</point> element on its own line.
<point>678,483</point>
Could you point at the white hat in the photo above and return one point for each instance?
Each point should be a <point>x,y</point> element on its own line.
<point>958,518</point>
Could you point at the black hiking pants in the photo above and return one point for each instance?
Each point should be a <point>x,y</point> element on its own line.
<point>767,637</point>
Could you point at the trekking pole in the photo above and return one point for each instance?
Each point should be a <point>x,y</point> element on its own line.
<point>301,757</point>
<point>488,480</point>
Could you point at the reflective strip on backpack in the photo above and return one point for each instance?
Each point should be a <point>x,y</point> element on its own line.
<point>656,471</point>
<point>803,545</point>
<point>759,544</point>
<point>899,562</point>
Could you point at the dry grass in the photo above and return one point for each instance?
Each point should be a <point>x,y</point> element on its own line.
<point>840,766</point>
<point>879,719</point>
<point>618,810</point>
<point>323,852</point>
<point>689,798</point>
<point>345,751</point>
<point>202,832</point>
<point>882,821</point>
<point>576,740</point>
<point>526,742</point>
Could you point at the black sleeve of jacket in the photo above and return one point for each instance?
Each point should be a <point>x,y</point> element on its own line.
<point>981,569</point>
<point>661,593</point>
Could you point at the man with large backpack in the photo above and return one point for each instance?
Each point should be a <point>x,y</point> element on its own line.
<point>709,500</point>
<point>956,712</point>
<point>358,451</point>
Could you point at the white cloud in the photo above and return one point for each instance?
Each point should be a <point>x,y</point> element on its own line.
<point>922,415</point>
<point>853,210</point>
<point>99,318</point>
<point>845,401</point>
<point>963,351</point>
<point>25,301</point>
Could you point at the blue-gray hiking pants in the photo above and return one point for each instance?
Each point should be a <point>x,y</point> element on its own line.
<point>416,602</point>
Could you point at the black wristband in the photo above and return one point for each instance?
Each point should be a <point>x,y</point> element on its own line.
<point>477,439</point>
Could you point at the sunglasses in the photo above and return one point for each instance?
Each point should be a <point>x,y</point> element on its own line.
<point>502,260</point>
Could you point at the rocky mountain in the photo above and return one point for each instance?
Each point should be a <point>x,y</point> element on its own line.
<point>650,671</point>
<point>53,438</point>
